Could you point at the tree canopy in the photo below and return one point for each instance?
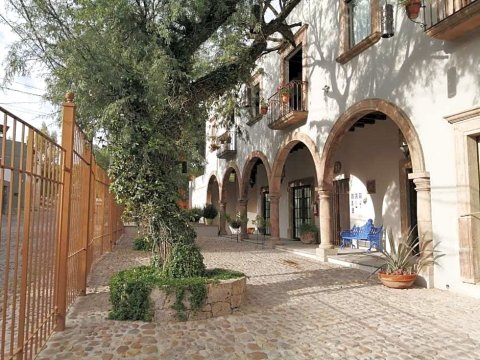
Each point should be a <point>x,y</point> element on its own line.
<point>143,72</point>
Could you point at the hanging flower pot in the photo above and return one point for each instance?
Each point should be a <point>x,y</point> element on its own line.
<point>264,109</point>
<point>412,7</point>
<point>285,98</point>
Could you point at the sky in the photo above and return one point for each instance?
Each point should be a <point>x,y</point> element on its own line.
<point>23,97</point>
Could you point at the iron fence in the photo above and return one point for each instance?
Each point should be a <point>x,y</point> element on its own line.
<point>57,218</point>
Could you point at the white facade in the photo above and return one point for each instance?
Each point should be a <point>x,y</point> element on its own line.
<point>425,78</point>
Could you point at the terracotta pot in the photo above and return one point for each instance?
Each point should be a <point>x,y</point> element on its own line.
<point>397,281</point>
<point>308,238</point>
<point>413,9</point>
<point>285,98</point>
<point>264,109</point>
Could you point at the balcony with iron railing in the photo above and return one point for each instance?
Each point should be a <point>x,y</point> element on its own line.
<point>291,110</point>
<point>227,145</point>
<point>450,19</point>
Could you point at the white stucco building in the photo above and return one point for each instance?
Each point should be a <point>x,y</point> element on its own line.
<point>380,128</point>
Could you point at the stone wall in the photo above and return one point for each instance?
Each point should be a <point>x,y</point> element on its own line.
<point>223,298</point>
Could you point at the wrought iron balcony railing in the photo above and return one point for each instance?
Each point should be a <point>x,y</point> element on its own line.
<point>291,110</point>
<point>450,19</point>
<point>228,145</point>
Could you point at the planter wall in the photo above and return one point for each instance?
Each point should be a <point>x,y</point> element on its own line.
<point>223,298</point>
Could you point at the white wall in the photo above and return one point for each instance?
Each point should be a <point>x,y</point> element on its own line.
<point>409,70</point>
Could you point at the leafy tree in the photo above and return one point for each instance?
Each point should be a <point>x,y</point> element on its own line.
<point>143,72</point>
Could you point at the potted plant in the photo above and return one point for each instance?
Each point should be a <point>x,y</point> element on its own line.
<point>284,92</point>
<point>308,233</point>
<point>412,7</point>
<point>214,146</point>
<point>237,221</point>
<point>261,224</point>
<point>403,262</point>
<point>209,212</point>
<point>263,106</point>
<point>194,214</point>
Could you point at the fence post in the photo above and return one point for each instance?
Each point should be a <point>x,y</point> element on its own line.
<point>85,227</point>
<point>62,269</point>
<point>29,179</point>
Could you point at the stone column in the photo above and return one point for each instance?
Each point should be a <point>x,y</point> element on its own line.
<point>274,219</point>
<point>242,204</point>
<point>424,220</point>
<point>222,219</point>
<point>326,247</point>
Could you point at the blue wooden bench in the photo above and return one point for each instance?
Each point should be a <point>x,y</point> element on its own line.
<point>367,232</point>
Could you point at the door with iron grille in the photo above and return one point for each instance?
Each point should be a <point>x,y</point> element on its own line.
<point>302,212</point>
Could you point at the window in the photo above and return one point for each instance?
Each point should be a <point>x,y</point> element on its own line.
<point>359,26</point>
<point>253,98</point>
<point>359,21</point>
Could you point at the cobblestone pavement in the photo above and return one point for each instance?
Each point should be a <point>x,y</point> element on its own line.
<point>295,309</point>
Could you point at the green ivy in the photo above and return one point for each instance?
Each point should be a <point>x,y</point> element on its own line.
<point>184,260</point>
<point>130,293</point>
<point>141,243</point>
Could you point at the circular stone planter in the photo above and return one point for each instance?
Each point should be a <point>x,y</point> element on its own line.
<point>397,281</point>
<point>223,298</point>
<point>308,238</point>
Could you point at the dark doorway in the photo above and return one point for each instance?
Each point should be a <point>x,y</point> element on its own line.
<point>341,208</point>
<point>266,210</point>
<point>412,209</point>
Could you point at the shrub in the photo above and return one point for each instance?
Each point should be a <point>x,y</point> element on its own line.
<point>210,211</point>
<point>308,228</point>
<point>141,243</point>
<point>184,260</point>
<point>130,294</point>
<point>194,214</point>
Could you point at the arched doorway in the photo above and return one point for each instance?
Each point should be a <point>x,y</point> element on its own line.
<point>255,190</point>
<point>230,192</point>
<point>213,195</point>
<point>293,199</point>
<point>365,144</point>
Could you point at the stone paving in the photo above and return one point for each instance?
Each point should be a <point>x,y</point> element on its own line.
<point>296,309</point>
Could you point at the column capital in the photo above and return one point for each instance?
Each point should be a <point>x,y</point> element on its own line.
<point>274,196</point>
<point>422,184</point>
<point>242,202</point>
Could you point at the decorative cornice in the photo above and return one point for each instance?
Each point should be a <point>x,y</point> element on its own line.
<point>462,116</point>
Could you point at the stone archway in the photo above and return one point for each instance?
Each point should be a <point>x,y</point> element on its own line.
<point>276,175</point>
<point>247,169</point>
<point>224,194</point>
<point>419,175</point>
<point>213,192</point>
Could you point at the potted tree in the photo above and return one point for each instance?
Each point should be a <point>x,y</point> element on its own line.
<point>403,262</point>
<point>308,233</point>
<point>261,224</point>
<point>210,212</point>
<point>263,106</point>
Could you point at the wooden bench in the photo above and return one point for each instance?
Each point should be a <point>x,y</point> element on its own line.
<point>367,232</point>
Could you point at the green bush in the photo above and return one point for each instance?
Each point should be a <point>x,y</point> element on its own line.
<point>210,211</point>
<point>141,243</point>
<point>130,293</point>
<point>308,228</point>
<point>194,214</point>
<point>184,260</point>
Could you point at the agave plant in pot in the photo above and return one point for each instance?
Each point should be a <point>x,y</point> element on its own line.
<point>405,259</point>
